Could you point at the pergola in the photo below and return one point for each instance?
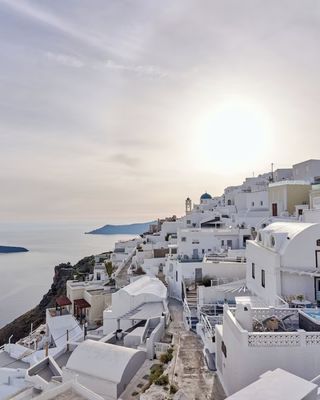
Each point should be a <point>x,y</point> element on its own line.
<point>62,302</point>
<point>79,305</point>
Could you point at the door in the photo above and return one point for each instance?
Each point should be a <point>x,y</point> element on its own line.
<point>195,254</point>
<point>317,258</point>
<point>198,274</point>
<point>317,288</point>
<point>274,209</point>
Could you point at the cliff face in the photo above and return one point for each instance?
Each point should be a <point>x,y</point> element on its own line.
<point>20,327</point>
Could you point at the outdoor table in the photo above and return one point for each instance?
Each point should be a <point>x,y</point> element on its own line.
<point>301,303</point>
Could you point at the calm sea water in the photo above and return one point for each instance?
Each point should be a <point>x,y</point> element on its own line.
<point>26,277</point>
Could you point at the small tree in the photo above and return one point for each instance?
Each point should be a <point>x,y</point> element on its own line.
<point>109,268</point>
<point>206,281</point>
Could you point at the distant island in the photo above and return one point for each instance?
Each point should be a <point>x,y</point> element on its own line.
<point>12,249</point>
<point>130,229</point>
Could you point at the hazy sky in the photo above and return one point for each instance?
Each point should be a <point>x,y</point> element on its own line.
<point>116,110</point>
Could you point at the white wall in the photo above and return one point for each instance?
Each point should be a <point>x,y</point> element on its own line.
<point>186,271</point>
<point>306,170</point>
<point>268,261</point>
<point>245,363</point>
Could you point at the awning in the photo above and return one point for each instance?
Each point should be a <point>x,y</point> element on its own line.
<point>63,301</point>
<point>81,303</point>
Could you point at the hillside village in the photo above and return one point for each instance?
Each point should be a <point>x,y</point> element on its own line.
<point>221,303</point>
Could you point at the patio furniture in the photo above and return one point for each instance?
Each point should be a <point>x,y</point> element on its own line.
<point>301,303</point>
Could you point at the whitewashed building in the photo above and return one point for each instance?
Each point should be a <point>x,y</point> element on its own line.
<point>284,261</point>
<point>140,300</point>
<point>104,368</point>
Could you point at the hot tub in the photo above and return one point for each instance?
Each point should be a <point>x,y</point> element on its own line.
<point>309,319</point>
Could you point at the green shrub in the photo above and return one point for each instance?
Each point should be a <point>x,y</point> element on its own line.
<point>155,372</point>
<point>162,380</point>
<point>206,281</point>
<point>173,389</point>
<point>166,357</point>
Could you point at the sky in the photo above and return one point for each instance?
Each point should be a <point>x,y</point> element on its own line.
<point>117,110</point>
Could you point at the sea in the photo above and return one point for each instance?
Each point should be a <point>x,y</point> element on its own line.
<point>26,277</point>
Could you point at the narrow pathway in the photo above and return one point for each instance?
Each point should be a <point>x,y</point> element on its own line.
<point>121,277</point>
<point>190,369</point>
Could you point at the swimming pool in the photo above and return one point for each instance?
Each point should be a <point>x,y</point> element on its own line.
<point>309,320</point>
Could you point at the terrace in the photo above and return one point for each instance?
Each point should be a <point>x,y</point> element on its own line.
<point>272,327</point>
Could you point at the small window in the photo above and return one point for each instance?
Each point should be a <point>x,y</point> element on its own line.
<point>273,241</point>
<point>222,242</point>
<point>202,251</point>
<point>253,270</point>
<point>183,239</point>
<point>263,278</point>
<point>224,349</point>
<point>252,204</point>
<point>176,276</point>
<point>318,242</point>
<point>261,203</point>
<point>188,221</point>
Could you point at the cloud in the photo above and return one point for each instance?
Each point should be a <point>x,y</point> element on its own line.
<point>35,13</point>
<point>125,160</point>
<point>151,71</point>
<point>67,60</point>
<point>64,59</point>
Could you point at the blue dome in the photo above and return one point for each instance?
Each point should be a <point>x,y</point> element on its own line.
<point>205,196</point>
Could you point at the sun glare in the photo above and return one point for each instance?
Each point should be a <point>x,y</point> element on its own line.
<point>235,134</point>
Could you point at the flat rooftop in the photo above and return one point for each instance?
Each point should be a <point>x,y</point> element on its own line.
<point>276,385</point>
<point>6,360</point>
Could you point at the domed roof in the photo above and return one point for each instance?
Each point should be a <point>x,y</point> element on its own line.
<point>206,196</point>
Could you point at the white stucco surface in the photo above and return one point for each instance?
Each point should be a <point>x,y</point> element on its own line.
<point>102,360</point>
<point>146,285</point>
<point>277,385</point>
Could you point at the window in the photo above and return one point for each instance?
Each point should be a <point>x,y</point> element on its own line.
<point>176,276</point>
<point>318,242</point>
<point>263,278</point>
<point>183,239</point>
<point>273,241</point>
<point>229,243</point>
<point>252,204</point>
<point>261,203</point>
<point>188,221</point>
<point>222,242</point>
<point>253,270</point>
<point>98,276</point>
<point>224,349</point>
<point>202,251</point>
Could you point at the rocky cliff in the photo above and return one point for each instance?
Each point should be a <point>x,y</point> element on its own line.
<point>20,327</point>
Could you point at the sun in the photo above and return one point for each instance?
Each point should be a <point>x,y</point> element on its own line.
<point>235,134</point>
